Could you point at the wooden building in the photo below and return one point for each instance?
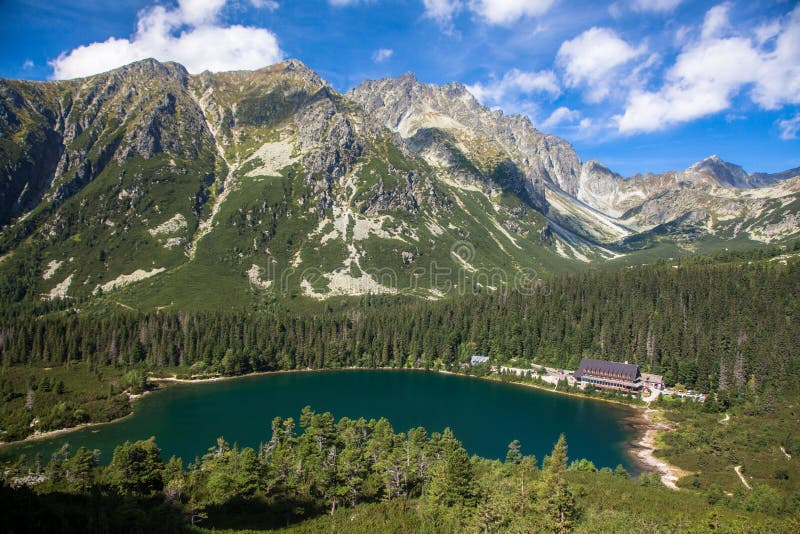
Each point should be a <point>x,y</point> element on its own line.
<point>609,375</point>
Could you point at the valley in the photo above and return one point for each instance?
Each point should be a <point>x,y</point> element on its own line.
<point>160,225</point>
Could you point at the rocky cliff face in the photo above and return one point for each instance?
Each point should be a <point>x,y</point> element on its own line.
<point>726,174</point>
<point>272,183</point>
<point>30,149</point>
<point>502,148</point>
<point>58,137</point>
<point>475,145</point>
<point>292,103</point>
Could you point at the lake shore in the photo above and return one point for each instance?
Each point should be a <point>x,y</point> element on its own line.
<point>132,398</point>
<point>641,449</point>
<point>176,380</point>
<point>548,388</point>
<point>52,433</point>
<point>491,378</point>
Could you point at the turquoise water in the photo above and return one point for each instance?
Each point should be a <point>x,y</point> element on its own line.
<point>186,419</point>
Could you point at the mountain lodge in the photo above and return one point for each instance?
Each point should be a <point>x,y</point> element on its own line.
<point>609,375</point>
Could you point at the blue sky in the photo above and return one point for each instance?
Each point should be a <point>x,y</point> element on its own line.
<point>641,85</point>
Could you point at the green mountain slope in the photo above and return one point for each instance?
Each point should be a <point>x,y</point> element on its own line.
<point>146,187</point>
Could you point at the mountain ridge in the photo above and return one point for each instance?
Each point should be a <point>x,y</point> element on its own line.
<point>274,185</point>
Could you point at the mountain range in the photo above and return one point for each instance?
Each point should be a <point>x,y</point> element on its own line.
<point>148,187</point>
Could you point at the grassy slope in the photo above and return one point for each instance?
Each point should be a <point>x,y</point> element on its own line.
<point>704,444</point>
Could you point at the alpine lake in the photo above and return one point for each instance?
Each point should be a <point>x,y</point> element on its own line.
<point>187,418</point>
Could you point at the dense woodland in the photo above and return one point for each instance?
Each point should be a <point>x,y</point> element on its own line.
<point>724,324</point>
<point>414,480</point>
<point>707,323</point>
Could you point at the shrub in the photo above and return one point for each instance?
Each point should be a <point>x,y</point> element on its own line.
<point>764,499</point>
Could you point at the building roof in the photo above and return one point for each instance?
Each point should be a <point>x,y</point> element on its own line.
<point>605,369</point>
<point>652,379</point>
<point>478,359</point>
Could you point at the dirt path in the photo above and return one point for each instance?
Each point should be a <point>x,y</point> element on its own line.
<point>738,470</point>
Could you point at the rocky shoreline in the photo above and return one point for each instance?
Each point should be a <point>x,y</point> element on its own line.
<point>644,447</point>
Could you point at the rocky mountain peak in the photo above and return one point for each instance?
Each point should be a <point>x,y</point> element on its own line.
<point>147,69</point>
<point>727,174</point>
<point>408,78</point>
<point>594,165</point>
<point>407,107</point>
<point>301,70</point>
<point>762,179</point>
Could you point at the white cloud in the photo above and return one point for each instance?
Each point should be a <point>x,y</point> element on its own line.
<point>615,10</point>
<point>442,11</point>
<point>778,79</point>
<point>196,12</point>
<point>515,81</point>
<point>733,117</point>
<point>190,33</point>
<point>711,70</point>
<point>790,128</point>
<point>716,21</point>
<point>655,6</point>
<point>682,35</point>
<point>573,123</point>
<point>767,31</point>
<point>382,54</point>
<point>510,93</point>
<point>561,115</point>
<point>28,64</point>
<point>490,11</point>
<point>508,11</point>
<point>591,59</point>
<point>587,125</point>
<point>270,5</point>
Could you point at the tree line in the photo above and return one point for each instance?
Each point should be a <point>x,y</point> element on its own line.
<point>710,325</point>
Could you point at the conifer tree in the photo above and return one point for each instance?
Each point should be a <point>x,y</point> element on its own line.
<point>556,501</point>
<point>452,480</point>
<point>136,468</point>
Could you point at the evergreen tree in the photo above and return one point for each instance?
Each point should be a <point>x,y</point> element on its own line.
<point>452,479</point>
<point>136,468</point>
<point>79,470</point>
<point>514,456</point>
<point>230,472</point>
<point>556,501</point>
